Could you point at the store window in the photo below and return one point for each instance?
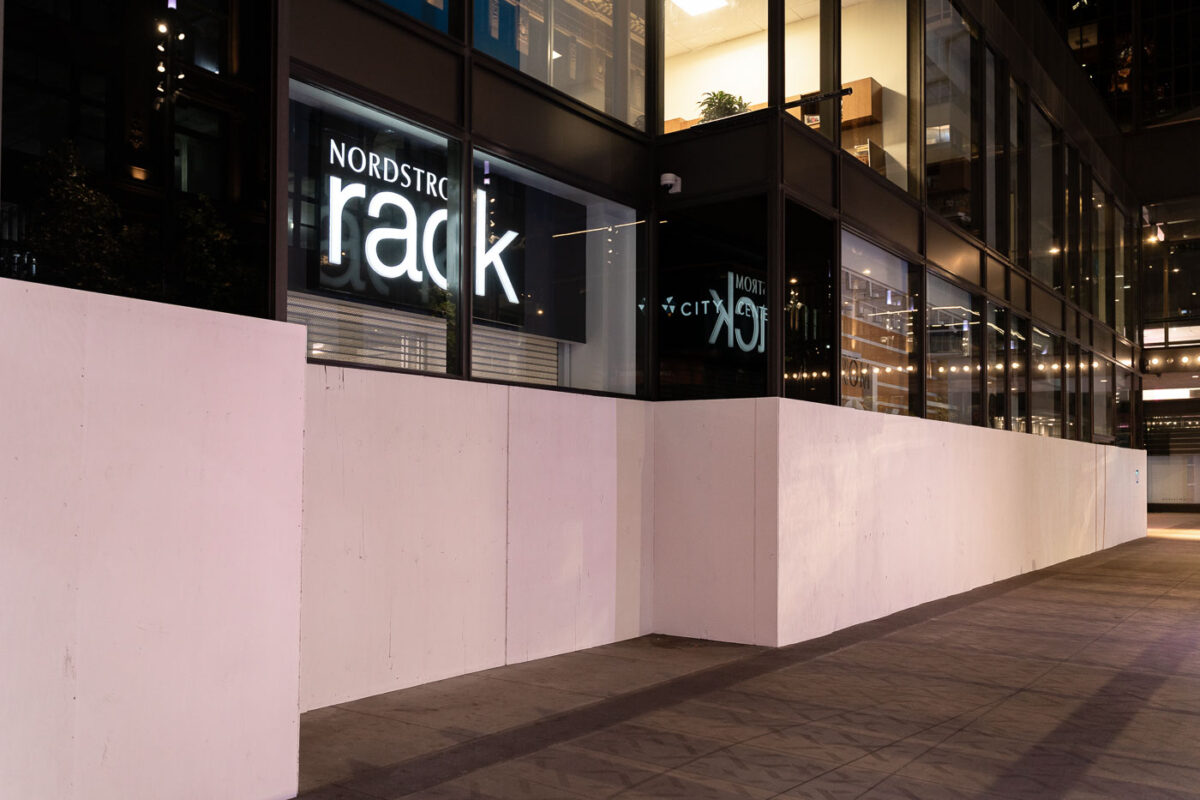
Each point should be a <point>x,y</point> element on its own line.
<point>1046,384</point>
<point>806,73</point>
<point>119,175</point>
<point>1073,387</point>
<point>199,151</point>
<point>205,25</point>
<point>1014,156</point>
<point>995,342</point>
<point>1076,221</point>
<point>880,319</point>
<point>1123,400</point>
<point>556,283</point>
<point>714,60</point>
<point>875,68</point>
<point>1103,408</point>
<point>712,301</point>
<point>1122,281</point>
<point>1101,255</point>
<point>952,364</point>
<point>373,261</point>
<point>808,298</point>
<point>594,52</point>
<point>434,13</point>
<point>1019,359</point>
<point>950,147</point>
<point>1046,247</point>
<point>991,152</point>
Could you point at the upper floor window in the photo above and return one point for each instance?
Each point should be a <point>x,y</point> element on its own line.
<point>950,147</point>
<point>714,60</point>
<point>593,51</point>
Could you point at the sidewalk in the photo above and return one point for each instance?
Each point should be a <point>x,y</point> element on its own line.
<point>1080,680</point>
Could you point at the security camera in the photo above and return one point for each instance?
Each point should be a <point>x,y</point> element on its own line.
<point>672,182</point>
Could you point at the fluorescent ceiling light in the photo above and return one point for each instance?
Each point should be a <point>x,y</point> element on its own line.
<point>696,7</point>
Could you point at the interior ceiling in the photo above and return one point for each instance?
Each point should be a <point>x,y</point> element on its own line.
<point>684,32</point>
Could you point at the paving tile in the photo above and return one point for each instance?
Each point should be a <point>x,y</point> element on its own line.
<point>843,783</point>
<point>472,705</point>
<point>496,783</point>
<point>768,710</point>
<point>674,786</point>
<point>588,672</point>
<point>832,744</point>
<point>681,654</point>
<point>714,721</point>
<point>580,771</point>
<point>769,770</point>
<point>336,744</point>
<point>648,745</point>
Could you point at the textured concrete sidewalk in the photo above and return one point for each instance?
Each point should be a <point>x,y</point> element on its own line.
<point>1077,681</point>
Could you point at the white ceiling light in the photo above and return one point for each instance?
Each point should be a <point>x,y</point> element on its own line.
<point>696,7</point>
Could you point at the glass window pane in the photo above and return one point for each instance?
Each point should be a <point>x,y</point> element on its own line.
<point>802,63</point>
<point>879,315</point>
<point>949,147</point>
<point>373,262</point>
<point>715,60</point>
<point>1100,254</point>
<point>1073,392</point>
<point>555,281</point>
<point>952,363</point>
<point>1016,126</point>
<point>1123,395</point>
<point>594,52</point>
<point>808,305</point>
<point>991,151</point>
<point>434,13</point>
<point>875,67</point>
<point>995,347</point>
<point>712,289</point>
<point>1122,285</point>
<point>1018,366</point>
<point>1046,407</point>
<point>1042,242</point>
<point>1103,410</point>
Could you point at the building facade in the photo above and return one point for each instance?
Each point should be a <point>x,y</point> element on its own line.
<point>881,255</point>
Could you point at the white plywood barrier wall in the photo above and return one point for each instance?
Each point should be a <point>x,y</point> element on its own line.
<point>150,478</point>
<point>859,515</point>
<point>454,526</point>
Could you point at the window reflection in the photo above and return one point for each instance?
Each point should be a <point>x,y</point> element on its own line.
<point>949,146</point>
<point>879,315</point>
<point>995,347</point>
<point>1046,384</point>
<point>1045,247</point>
<point>1018,370</point>
<point>593,51</point>
<point>952,370</point>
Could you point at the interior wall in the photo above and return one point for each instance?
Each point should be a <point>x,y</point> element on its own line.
<point>738,66</point>
<point>149,549</point>
<point>452,526</point>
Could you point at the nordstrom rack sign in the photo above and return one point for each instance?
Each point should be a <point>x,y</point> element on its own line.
<point>389,216</point>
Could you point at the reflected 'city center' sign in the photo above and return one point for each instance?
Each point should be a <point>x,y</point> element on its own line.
<point>735,316</point>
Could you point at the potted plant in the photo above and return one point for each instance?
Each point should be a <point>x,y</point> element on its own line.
<point>718,104</point>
